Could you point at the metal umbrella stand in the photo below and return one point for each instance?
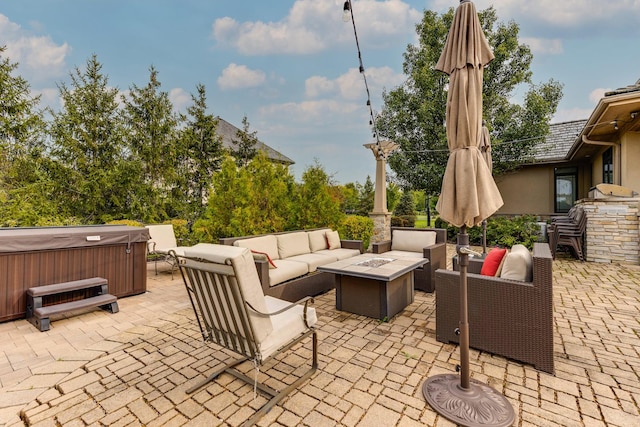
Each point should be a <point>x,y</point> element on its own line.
<point>469,195</point>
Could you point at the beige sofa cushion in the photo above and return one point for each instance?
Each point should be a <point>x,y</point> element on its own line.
<point>265,244</point>
<point>292,244</point>
<point>518,264</point>
<point>286,270</point>
<point>313,260</point>
<point>333,239</point>
<point>413,241</point>
<point>286,325</point>
<point>317,240</point>
<point>340,254</point>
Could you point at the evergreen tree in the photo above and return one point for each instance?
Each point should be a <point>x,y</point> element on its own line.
<point>316,205</point>
<point>87,145</point>
<point>249,200</point>
<point>25,198</point>
<point>245,144</point>
<point>154,151</point>
<point>406,205</point>
<point>366,197</point>
<point>203,155</point>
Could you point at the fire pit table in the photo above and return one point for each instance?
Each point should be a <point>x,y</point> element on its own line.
<point>374,285</point>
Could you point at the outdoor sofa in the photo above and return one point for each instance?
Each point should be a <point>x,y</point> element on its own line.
<point>430,243</point>
<point>287,262</point>
<point>510,318</point>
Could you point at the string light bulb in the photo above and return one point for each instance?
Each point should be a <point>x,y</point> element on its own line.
<point>346,11</point>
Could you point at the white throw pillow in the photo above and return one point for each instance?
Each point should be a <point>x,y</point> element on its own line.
<point>518,264</point>
<point>292,244</point>
<point>333,240</point>
<point>317,240</point>
<point>412,241</point>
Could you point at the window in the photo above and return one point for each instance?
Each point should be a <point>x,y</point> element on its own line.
<point>607,166</point>
<point>566,188</point>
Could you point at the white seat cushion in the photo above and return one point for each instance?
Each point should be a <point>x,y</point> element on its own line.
<point>413,241</point>
<point>286,326</point>
<point>313,260</point>
<point>340,254</point>
<point>286,270</point>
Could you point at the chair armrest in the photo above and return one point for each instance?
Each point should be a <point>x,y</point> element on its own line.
<point>352,244</point>
<point>380,247</point>
<point>305,300</point>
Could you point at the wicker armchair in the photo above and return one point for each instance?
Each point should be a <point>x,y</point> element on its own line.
<point>508,318</point>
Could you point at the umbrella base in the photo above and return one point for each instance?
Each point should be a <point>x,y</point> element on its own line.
<point>479,405</point>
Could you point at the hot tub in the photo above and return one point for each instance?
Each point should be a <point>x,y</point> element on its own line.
<point>38,256</point>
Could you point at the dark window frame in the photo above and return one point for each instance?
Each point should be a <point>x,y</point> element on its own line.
<point>607,166</point>
<point>563,173</point>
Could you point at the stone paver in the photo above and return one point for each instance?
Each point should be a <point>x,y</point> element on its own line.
<point>131,368</point>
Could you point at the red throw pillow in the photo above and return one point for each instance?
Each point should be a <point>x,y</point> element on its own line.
<point>271,263</point>
<point>492,262</point>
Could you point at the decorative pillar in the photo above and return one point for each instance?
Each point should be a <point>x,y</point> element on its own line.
<point>380,215</point>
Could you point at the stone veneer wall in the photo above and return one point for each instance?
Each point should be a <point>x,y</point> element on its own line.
<point>613,230</point>
<point>381,227</point>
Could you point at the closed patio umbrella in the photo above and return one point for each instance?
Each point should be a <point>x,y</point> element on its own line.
<point>468,196</point>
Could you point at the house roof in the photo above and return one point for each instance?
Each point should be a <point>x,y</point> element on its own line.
<point>558,142</point>
<point>228,132</point>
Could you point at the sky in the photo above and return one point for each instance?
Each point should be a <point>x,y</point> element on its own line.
<point>291,66</point>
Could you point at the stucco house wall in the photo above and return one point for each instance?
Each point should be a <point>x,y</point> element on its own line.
<point>529,190</point>
<point>630,168</point>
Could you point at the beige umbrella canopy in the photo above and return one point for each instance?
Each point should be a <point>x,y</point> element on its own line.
<point>469,194</point>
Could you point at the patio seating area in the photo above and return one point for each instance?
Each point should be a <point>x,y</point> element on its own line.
<point>133,367</point>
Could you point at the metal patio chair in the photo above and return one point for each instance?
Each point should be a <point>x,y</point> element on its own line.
<point>233,312</point>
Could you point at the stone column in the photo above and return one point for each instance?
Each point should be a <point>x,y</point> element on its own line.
<point>380,215</point>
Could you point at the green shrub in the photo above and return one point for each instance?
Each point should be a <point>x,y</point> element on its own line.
<point>354,227</point>
<point>501,231</point>
<point>403,221</point>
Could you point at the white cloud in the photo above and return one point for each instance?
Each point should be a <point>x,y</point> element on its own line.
<point>240,77</point>
<point>180,98</point>
<point>314,26</point>
<point>561,14</point>
<point>316,112</point>
<point>39,57</point>
<point>571,114</point>
<point>351,84</point>
<point>543,46</point>
<point>597,94</point>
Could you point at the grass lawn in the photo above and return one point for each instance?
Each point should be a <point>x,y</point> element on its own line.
<point>421,221</point>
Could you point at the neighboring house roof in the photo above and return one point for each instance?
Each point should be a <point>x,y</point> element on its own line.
<point>228,132</point>
<point>558,142</point>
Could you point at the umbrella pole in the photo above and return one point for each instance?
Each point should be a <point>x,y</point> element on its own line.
<point>484,237</point>
<point>460,399</point>
<point>463,326</point>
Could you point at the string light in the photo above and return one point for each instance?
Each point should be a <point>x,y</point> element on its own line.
<point>348,15</point>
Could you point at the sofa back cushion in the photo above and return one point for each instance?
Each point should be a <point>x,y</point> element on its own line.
<point>412,241</point>
<point>265,244</point>
<point>317,240</point>
<point>518,264</point>
<point>292,244</point>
